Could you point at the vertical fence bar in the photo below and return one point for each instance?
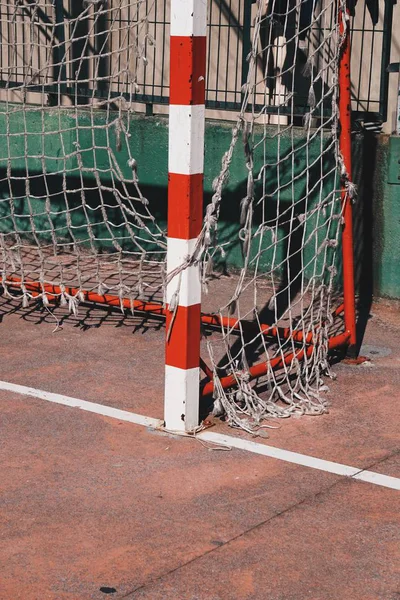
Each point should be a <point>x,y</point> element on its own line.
<point>59,69</point>
<point>385,60</point>
<point>345,149</point>
<point>246,47</point>
<point>185,210</point>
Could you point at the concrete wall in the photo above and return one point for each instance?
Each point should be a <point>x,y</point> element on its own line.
<point>56,152</point>
<point>377,210</point>
<point>386,217</point>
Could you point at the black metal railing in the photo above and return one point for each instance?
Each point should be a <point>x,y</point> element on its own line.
<point>371,45</point>
<point>70,42</point>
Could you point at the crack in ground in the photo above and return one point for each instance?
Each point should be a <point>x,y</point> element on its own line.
<point>377,462</point>
<point>259,525</point>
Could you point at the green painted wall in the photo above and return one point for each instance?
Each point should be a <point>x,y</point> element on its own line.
<point>387,218</point>
<point>56,153</point>
<point>377,211</point>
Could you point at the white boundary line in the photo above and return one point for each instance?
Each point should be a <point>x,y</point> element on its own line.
<point>302,459</point>
<point>99,409</point>
<point>209,436</point>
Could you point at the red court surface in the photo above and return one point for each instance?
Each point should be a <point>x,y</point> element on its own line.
<point>94,507</point>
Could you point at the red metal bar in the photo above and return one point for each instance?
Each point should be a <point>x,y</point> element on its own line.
<point>54,291</point>
<point>267,330</point>
<point>36,289</point>
<point>110,300</point>
<point>345,149</point>
<point>262,368</point>
<point>206,369</point>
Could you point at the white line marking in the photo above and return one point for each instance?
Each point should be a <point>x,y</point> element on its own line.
<point>301,459</point>
<point>272,452</point>
<point>378,479</point>
<point>99,409</point>
<point>209,436</point>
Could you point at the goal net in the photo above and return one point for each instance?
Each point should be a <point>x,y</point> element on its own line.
<point>282,315</point>
<point>75,223</point>
<point>72,216</point>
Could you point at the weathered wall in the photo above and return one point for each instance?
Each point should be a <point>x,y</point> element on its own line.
<point>386,217</point>
<point>67,148</point>
<point>377,210</point>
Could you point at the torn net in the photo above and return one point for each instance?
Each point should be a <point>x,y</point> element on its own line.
<point>282,309</point>
<point>72,213</point>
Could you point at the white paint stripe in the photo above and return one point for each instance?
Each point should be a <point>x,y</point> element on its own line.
<point>379,479</point>
<point>301,459</point>
<point>272,452</point>
<point>189,17</point>
<point>187,283</point>
<point>186,139</point>
<point>100,409</point>
<point>217,438</point>
<point>181,398</point>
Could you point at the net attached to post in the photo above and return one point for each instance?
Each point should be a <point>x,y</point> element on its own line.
<point>281,315</point>
<point>75,225</point>
<point>72,216</point>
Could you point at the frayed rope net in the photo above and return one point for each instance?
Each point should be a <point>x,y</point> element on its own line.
<point>71,211</point>
<point>279,311</point>
<point>73,214</point>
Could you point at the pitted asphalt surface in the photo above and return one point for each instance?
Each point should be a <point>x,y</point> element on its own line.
<point>91,507</point>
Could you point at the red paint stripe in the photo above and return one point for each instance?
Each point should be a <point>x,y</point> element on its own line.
<point>183,337</point>
<point>187,71</point>
<point>185,205</point>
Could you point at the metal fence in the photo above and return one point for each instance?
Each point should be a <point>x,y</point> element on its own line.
<point>371,47</point>
<point>229,38</point>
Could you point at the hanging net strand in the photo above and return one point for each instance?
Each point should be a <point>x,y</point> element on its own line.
<point>75,224</point>
<point>279,320</point>
<point>73,218</point>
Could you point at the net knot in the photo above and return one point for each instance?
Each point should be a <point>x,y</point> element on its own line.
<point>351,189</point>
<point>132,164</point>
